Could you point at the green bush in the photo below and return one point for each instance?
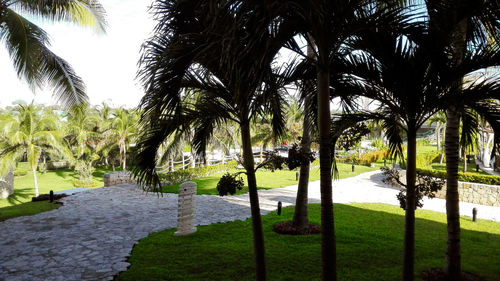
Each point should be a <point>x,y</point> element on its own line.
<point>371,157</point>
<point>379,144</point>
<point>179,176</point>
<point>86,183</point>
<point>20,173</point>
<point>465,177</point>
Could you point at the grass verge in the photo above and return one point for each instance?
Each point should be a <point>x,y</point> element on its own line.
<point>268,179</point>
<point>369,247</point>
<point>26,209</point>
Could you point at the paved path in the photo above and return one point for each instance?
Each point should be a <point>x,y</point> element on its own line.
<point>91,236</point>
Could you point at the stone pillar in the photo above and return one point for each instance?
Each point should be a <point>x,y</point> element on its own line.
<point>186,209</point>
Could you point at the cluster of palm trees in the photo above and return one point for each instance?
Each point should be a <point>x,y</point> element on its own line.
<point>82,136</point>
<point>414,58</point>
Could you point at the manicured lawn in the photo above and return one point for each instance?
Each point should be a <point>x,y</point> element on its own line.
<point>268,179</point>
<point>20,203</point>
<point>421,148</point>
<point>26,209</point>
<point>369,247</point>
<point>52,180</point>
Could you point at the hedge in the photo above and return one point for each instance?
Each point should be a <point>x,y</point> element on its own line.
<point>179,176</point>
<point>465,177</point>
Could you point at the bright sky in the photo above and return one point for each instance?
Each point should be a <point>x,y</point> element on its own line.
<point>106,62</point>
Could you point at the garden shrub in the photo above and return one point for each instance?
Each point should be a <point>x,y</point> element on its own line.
<point>373,156</point>
<point>20,173</point>
<point>465,177</point>
<point>86,183</point>
<point>228,184</point>
<point>179,176</point>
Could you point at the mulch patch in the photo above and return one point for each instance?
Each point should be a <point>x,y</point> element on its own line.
<point>437,274</point>
<point>286,227</point>
<point>46,197</point>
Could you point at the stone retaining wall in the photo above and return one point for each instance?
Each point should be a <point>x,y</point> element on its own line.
<point>7,185</point>
<point>475,193</point>
<point>115,178</point>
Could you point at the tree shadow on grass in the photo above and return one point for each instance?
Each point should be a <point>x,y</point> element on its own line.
<point>19,194</point>
<point>369,247</point>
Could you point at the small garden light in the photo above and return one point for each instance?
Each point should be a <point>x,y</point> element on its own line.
<point>474,214</point>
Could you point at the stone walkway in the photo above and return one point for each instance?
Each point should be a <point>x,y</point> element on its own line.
<point>91,236</point>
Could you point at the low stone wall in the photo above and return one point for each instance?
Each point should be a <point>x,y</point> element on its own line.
<point>115,178</point>
<point>475,193</point>
<point>7,185</point>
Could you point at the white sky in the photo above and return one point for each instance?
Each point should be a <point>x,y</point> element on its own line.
<point>106,62</point>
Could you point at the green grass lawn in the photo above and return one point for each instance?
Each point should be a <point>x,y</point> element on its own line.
<point>20,203</point>
<point>426,148</point>
<point>26,209</point>
<point>369,247</point>
<point>268,179</point>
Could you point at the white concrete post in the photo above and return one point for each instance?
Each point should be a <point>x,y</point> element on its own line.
<point>186,209</point>
<point>183,161</point>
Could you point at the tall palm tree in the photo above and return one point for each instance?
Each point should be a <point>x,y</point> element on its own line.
<point>440,120</point>
<point>400,73</point>
<point>327,25</point>
<point>124,126</point>
<point>82,137</point>
<point>28,44</point>
<point>459,28</point>
<point>29,133</point>
<point>190,50</point>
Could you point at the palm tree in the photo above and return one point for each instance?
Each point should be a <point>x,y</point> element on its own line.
<point>327,25</point>
<point>190,50</point>
<point>457,27</point>
<point>440,120</point>
<point>82,137</point>
<point>124,126</point>
<point>28,44</point>
<point>29,133</point>
<point>400,73</point>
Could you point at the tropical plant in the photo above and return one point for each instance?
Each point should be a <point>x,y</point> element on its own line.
<point>459,29</point>
<point>327,25</point>
<point>28,132</point>
<point>82,137</point>
<point>410,91</point>
<point>190,50</point>
<point>124,126</point>
<point>28,44</point>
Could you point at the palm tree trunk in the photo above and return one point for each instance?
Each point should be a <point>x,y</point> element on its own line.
<point>258,233</point>
<point>438,135</point>
<point>35,181</point>
<point>124,167</point>
<point>452,264</point>
<point>300,216</point>
<point>409,236</point>
<point>328,247</point>
<point>465,161</point>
